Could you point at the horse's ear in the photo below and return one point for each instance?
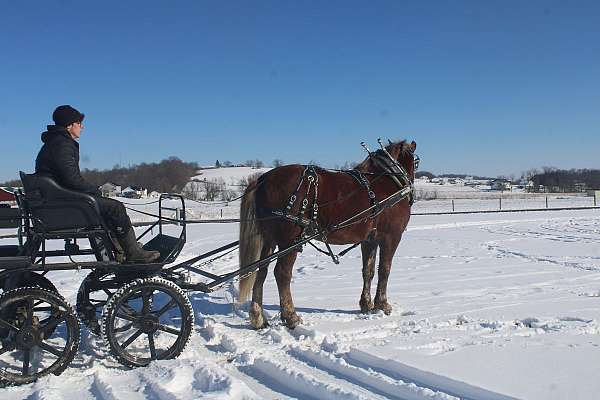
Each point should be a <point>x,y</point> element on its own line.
<point>413,146</point>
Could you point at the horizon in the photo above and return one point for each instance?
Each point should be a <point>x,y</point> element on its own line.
<point>491,89</point>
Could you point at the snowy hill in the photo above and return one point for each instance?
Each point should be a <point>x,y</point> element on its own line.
<point>220,183</point>
<point>231,175</point>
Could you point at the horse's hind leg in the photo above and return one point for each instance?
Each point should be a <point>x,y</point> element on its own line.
<point>257,314</point>
<point>369,250</point>
<point>283,275</point>
<point>386,253</point>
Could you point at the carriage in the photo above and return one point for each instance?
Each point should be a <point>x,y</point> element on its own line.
<point>141,310</point>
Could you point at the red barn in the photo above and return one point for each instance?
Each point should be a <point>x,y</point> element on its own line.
<point>6,195</point>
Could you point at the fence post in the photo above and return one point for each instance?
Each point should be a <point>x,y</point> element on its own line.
<point>595,199</point>
<point>500,198</point>
<point>546,201</point>
<point>452,205</point>
<point>221,213</point>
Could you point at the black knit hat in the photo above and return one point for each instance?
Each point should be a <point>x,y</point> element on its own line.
<point>66,115</point>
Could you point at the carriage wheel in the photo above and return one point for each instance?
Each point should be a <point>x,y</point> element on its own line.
<point>40,334</point>
<point>147,319</point>
<point>93,294</point>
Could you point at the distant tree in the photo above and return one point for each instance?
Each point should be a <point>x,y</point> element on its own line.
<point>227,163</point>
<point>348,165</point>
<point>258,164</point>
<point>420,174</point>
<point>168,175</point>
<point>214,189</point>
<point>248,163</point>
<point>12,183</point>
<point>218,164</point>
<point>277,163</point>
<point>556,180</point>
<point>244,182</point>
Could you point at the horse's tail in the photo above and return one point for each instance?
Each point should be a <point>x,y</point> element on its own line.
<point>251,240</point>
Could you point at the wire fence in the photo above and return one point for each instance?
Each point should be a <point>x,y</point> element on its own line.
<point>207,213</point>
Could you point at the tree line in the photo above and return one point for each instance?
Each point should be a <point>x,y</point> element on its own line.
<point>561,180</point>
<point>169,175</point>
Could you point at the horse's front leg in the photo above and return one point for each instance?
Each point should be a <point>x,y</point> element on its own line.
<point>369,250</point>
<point>257,314</point>
<point>283,275</point>
<point>386,253</point>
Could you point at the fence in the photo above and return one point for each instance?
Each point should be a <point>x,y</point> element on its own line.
<point>504,203</point>
<point>203,213</point>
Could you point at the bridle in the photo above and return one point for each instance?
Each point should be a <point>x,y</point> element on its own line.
<point>392,167</point>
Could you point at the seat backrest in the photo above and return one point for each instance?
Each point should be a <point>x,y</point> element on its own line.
<point>53,207</point>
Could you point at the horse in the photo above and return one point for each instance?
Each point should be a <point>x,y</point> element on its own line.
<point>355,196</point>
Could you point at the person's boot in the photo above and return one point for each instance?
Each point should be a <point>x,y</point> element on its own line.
<point>134,254</point>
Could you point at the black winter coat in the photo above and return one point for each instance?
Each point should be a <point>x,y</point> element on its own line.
<point>59,159</point>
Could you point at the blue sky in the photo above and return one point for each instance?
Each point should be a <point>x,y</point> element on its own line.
<point>483,87</point>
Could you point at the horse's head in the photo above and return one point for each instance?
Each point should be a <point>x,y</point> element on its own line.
<point>404,153</point>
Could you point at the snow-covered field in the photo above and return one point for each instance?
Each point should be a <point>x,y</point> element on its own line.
<point>486,306</point>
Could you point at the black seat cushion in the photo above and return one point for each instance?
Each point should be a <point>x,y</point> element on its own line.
<point>56,208</point>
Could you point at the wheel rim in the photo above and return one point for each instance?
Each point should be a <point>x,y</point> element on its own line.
<point>149,323</point>
<point>42,335</point>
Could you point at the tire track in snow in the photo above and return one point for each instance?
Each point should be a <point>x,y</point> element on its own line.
<point>292,363</point>
<point>297,382</point>
<point>422,378</point>
<point>375,381</point>
<point>273,368</point>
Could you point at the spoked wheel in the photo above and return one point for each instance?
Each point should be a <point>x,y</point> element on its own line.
<point>39,332</point>
<point>93,294</point>
<point>147,319</point>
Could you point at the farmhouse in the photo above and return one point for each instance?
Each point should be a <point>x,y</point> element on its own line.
<point>7,196</point>
<point>135,192</point>
<point>500,184</point>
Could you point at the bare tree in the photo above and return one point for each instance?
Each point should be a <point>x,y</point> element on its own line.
<point>214,189</point>
<point>246,181</point>
<point>277,163</point>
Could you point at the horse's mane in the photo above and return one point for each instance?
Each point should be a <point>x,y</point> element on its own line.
<point>404,149</point>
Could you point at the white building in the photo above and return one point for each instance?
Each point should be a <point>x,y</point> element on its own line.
<point>134,192</point>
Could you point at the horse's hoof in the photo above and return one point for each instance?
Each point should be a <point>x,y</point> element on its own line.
<point>259,323</point>
<point>292,321</point>
<point>366,306</point>
<point>258,320</point>
<point>385,307</point>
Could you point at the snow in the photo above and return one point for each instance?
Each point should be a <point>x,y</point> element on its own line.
<point>486,306</point>
<point>229,174</point>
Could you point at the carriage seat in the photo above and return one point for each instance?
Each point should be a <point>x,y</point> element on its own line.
<point>55,208</point>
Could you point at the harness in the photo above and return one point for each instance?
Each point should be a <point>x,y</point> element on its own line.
<point>309,226</point>
<point>364,182</point>
<point>310,174</point>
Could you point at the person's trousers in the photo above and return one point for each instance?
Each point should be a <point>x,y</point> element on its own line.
<point>114,214</point>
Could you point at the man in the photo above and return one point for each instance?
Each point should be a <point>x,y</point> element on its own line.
<point>59,159</point>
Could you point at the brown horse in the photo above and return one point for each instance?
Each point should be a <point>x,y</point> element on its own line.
<point>338,196</point>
